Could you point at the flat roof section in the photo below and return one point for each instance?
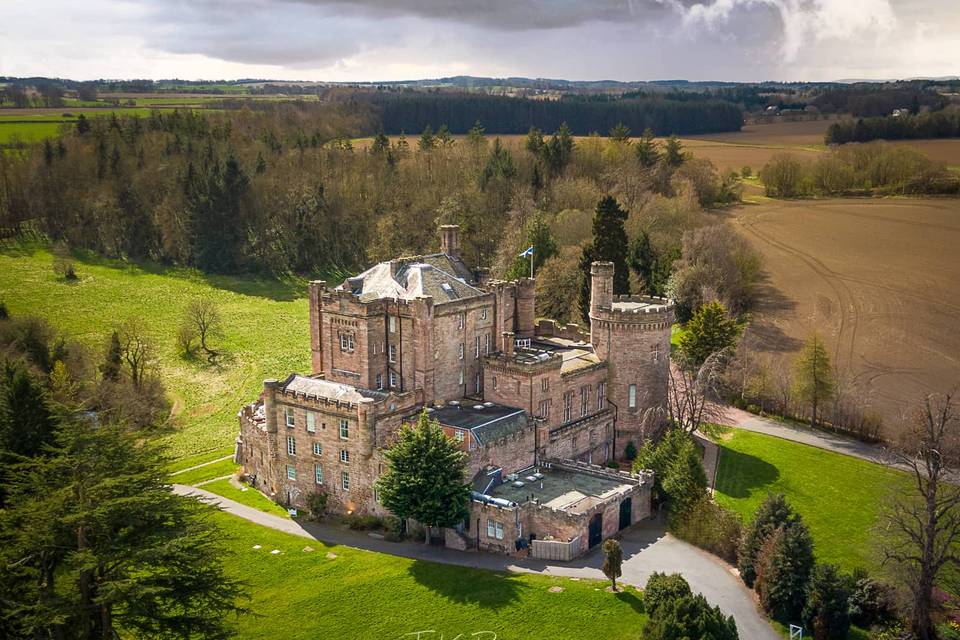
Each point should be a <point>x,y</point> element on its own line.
<point>639,306</point>
<point>570,491</point>
<point>488,421</point>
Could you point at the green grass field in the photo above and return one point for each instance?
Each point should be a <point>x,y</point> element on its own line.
<point>265,322</point>
<point>839,497</point>
<point>365,595</point>
<point>204,473</point>
<point>251,497</point>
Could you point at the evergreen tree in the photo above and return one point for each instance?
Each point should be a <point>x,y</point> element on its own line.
<point>612,561</point>
<point>709,331</point>
<point>610,245</point>
<point>476,136</point>
<point>535,142</point>
<point>772,513</point>
<point>83,125</point>
<point>101,544</point>
<point>444,139</point>
<point>648,152</point>
<point>827,611</point>
<point>4,313</point>
<point>620,133</point>
<point>813,376</point>
<point>427,141</point>
<point>544,247</point>
<point>47,153</point>
<point>261,165</point>
<point>642,260</point>
<point>380,144</point>
<point>113,362</point>
<point>673,152</point>
<point>27,423</point>
<point>425,480</point>
<point>676,613</point>
<point>679,478</point>
<point>499,165</point>
<point>783,571</point>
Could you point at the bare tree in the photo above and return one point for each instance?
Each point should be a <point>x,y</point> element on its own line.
<point>693,393</point>
<point>136,349</point>
<point>201,321</point>
<point>923,525</point>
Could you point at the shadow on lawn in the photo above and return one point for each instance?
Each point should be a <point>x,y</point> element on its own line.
<point>488,589</point>
<point>740,474</point>
<point>630,597</point>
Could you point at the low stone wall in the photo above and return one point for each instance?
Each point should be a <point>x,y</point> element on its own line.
<point>555,549</point>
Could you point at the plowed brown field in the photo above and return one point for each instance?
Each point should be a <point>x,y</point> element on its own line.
<point>878,278</point>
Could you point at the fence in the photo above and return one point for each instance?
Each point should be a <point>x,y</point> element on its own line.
<point>555,549</point>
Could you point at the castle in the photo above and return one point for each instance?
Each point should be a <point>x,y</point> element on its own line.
<point>539,407</point>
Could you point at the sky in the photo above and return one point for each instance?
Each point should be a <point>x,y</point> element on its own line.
<point>371,40</point>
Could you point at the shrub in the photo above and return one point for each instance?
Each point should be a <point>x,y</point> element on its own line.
<point>630,451</point>
<point>871,602</point>
<point>4,314</point>
<point>63,268</point>
<point>363,522</point>
<point>774,512</point>
<point>675,459</point>
<point>393,529</point>
<point>711,527</point>
<point>826,613</point>
<point>317,505</point>
<point>746,172</point>
<point>613,464</point>
<point>676,613</point>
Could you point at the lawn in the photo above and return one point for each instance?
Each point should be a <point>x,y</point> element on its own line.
<point>204,473</point>
<point>250,497</point>
<point>839,497</point>
<point>265,324</point>
<point>363,595</point>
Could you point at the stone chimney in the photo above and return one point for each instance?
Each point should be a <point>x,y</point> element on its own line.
<point>601,286</point>
<point>450,240</point>
<point>508,343</point>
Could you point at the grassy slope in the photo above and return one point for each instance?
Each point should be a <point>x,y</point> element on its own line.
<point>361,594</point>
<point>204,473</point>
<point>839,497</point>
<point>250,497</point>
<point>266,328</point>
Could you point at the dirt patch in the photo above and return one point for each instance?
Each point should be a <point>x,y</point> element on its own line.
<point>879,279</point>
<point>792,134</point>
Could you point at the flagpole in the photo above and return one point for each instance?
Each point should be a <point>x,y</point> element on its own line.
<point>531,265</point>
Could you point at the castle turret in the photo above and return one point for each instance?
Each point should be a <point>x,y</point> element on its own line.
<point>632,333</point>
<point>314,292</point>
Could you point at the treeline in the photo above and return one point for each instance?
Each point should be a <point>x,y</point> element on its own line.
<point>876,101</point>
<point>858,170</point>
<point>287,188</point>
<point>413,111</point>
<point>935,124</point>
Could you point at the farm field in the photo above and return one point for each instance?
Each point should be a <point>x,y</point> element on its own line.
<point>299,594</point>
<point>839,497</point>
<point>879,279</point>
<point>265,323</point>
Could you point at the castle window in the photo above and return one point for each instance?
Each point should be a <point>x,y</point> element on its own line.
<point>478,382</point>
<point>289,417</point>
<point>655,353</point>
<point>486,343</point>
<point>317,449</point>
<point>584,401</point>
<point>494,529</point>
<point>318,474</point>
<point>494,380</point>
<point>291,472</point>
<point>311,422</point>
<point>458,435</point>
<point>476,346</point>
<point>545,384</point>
<point>461,320</point>
<point>345,480</point>
<point>291,446</point>
<point>346,342</point>
<point>460,351</point>
<point>601,395</point>
<point>567,406</point>
<point>632,396</point>
<point>461,376</point>
<point>344,456</point>
<point>392,322</point>
<point>545,409</point>
<point>344,429</point>
<point>393,379</point>
<point>483,313</point>
<point>393,353</point>
<point>379,381</point>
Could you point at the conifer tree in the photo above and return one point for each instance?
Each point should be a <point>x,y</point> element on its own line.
<point>476,136</point>
<point>427,141</point>
<point>27,423</point>
<point>642,259</point>
<point>827,610</point>
<point>609,244</point>
<point>813,376</point>
<point>648,152</point>
<point>709,331</point>
<point>425,480</point>
<point>772,513</point>
<point>673,152</point>
<point>620,133</point>
<point>113,362</point>
<point>783,571</point>
<point>612,561</point>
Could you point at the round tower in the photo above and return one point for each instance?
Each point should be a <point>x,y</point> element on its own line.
<point>632,333</point>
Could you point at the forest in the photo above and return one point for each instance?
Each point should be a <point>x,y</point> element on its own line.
<point>933,124</point>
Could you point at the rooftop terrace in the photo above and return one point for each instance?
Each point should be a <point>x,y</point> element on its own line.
<point>573,355</point>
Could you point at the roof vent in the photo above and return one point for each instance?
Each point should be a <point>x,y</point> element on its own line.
<point>478,407</point>
<point>454,403</point>
<point>488,404</point>
<point>518,483</point>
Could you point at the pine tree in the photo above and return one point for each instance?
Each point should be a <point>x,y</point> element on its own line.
<point>113,362</point>
<point>827,610</point>
<point>709,331</point>
<point>643,259</point>
<point>27,422</point>
<point>675,612</point>
<point>648,152</point>
<point>427,141</point>
<point>783,571</point>
<point>425,480</point>
<point>673,152</point>
<point>610,245</point>
<point>620,133</point>
<point>444,139</point>
<point>499,165</point>
<point>544,247</point>
<point>380,144</point>
<point>813,376</point>
<point>476,136</point>
<point>83,125</point>
<point>772,513</point>
<point>679,478</point>
<point>101,544</point>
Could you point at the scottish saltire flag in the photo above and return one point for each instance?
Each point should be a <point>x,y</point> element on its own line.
<point>527,253</point>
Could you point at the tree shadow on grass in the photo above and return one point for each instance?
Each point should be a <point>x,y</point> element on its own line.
<point>487,589</point>
<point>630,597</point>
<point>740,474</point>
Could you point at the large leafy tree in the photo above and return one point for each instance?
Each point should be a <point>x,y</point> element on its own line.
<point>94,544</point>
<point>609,244</point>
<point>425,480</point>
<point>709,331</point>
<point>813,376</point>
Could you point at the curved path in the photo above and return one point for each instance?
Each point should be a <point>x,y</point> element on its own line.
<point>646,548</point>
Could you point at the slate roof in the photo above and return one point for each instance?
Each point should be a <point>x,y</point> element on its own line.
<point>438,275</point>
<point>330,390</point>
<point>488,423</point>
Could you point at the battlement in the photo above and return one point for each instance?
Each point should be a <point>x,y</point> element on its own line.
<point>639,310</point>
